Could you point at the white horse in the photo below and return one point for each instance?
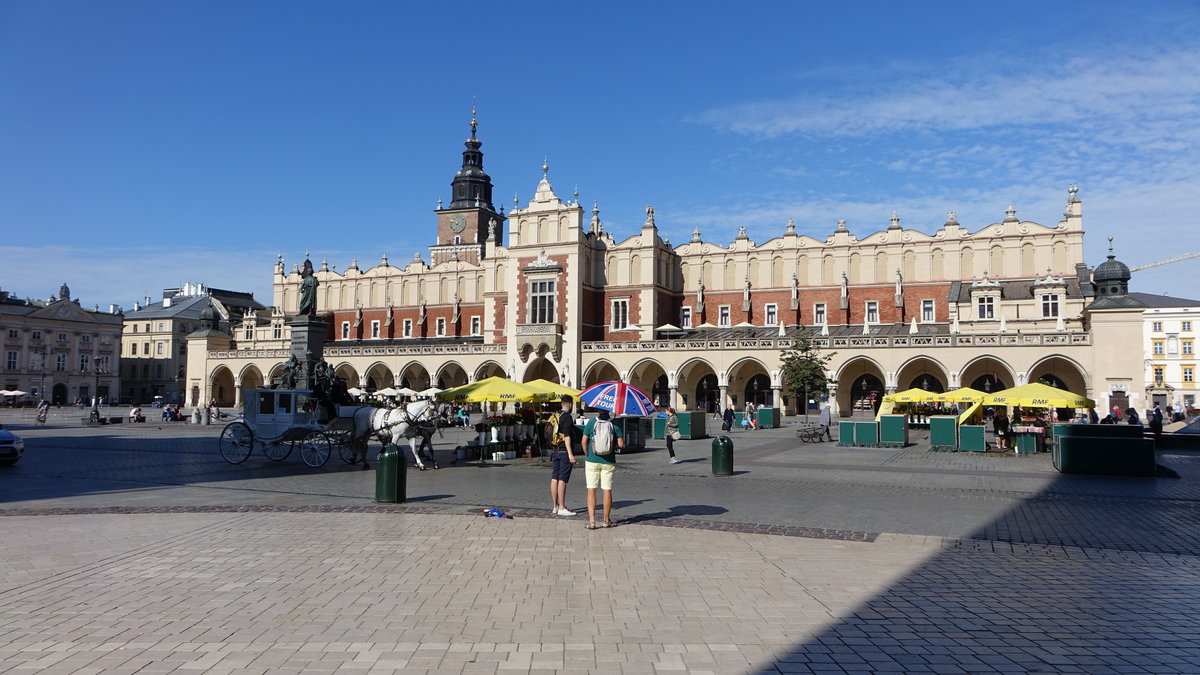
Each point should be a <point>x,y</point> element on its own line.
<point>412,422</point>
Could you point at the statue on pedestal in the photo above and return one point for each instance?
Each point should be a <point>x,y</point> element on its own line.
<point>308,290</point>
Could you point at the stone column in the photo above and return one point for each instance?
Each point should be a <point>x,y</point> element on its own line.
<point>237,393</point>
<point>673,397</point>
<point>833,400</point>
<point>777,398</point>
<point>724,397</point>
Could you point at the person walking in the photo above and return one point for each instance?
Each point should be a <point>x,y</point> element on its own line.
<point>672,433</point>
<point>599,436</point>
<point>826,420</point>
<point>728,419</point>
<point>562,459</point>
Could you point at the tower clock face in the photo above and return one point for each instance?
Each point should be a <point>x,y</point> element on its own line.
<point>458,223</point>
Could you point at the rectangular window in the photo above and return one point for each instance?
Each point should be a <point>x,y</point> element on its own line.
<point>1189,374</point>
<point>1156,326</point>
<point>62,337</point>
<point>872,312</point>
<point>104,363</point>
<point>987,307</point>
<point>819,313</point>
<point>1158,374</point>
<point>345,330</point>
<point>160,325</point>
<point>1187,347</point>
<point>441,327</point>
<point>13,333</point>
<point>1158,347</point>
<point>770,315</point>
<point>158,371</point>
<point>147,328</point>
<point>685,317</point>
<point>146,348</point>
<point>60,363</point>
<point>407,332</point>
<point>159,348</point>
<point>85,338</point>
<point>723,315</point>
<point>83,363</point>
<point>620,314</point>
<point>541,302</point>
<point>927,313</point>
<point>37,335</point>
<point>476,328</point>
<point>1049,306</point>
<point>1187,325</point>
<point>133,349</point>
<point>248,332</point>
<point>375,329</point>
<point>134,326</point>
<point>277,332</point>
<point>11,362</point>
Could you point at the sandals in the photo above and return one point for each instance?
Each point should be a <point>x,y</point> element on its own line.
<point>609,523</point>
<point>592,526</point>
<point>595,526</point>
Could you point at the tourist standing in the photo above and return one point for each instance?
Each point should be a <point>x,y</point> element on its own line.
<point>562,460</point>
<point>1000,427</point>
<point>672,433</point>
<point>601,460</point>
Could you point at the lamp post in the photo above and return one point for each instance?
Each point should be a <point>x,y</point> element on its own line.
<point>95,415</point>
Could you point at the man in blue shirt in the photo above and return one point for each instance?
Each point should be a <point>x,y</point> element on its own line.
<point>600,436</point>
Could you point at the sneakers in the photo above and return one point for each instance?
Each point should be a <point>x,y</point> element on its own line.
<point>674,460</point>
<point>564,512</point>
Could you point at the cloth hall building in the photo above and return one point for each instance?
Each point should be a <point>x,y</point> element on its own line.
<point>545,291</point>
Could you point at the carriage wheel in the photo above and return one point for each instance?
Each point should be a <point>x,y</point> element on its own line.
<point>277,451</point>
<point>344,441</point>
<point>315,449</point>
<point>236,442</point>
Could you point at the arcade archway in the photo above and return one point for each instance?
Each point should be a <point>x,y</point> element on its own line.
<point>222,387</point>
<point>347,373</point>
<point>922,373</point>
<point>860,387</point>
<point>988,374</point>
<point>415,377</point>
<point>650,377</point>
<point>749,382</point>
<point>251,379</point>
<point>601,371</point>
<point>698,387</point>
<point>451,375</point>
<point>378,376</point>
<point>541,368</point>
<point>1060,372</point>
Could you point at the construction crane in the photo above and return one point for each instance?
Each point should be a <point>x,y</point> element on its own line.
<point>1168,261</point>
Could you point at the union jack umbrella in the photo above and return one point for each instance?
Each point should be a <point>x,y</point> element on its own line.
<point>619,398</point>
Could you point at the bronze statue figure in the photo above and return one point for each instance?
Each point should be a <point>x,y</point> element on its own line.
<point>308,290</point>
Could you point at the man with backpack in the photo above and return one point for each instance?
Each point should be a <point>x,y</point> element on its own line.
<point>600,439</point>
<point>565,438</point>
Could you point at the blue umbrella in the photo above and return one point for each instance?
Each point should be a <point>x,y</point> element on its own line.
<point>619,398</point>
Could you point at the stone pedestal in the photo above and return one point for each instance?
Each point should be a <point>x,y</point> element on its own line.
<point>308,344</point>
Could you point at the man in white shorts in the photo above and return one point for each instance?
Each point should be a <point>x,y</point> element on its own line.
<point>600,466</point>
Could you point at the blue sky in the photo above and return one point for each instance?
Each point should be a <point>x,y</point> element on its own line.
<point>149,143</point>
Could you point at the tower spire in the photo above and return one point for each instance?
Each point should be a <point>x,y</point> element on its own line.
<point>471,186</point>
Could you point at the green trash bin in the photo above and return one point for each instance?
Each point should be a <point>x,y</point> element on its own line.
<point>866,434</point>
<point>390,474</point>
<point>845,432</point>
<point>971,438</point>
<point>943,433</point>
<point>722,456</point>
<point>893,431</point>
<point>660,428</point>
<point>692,424</point>
<point>767,418</point>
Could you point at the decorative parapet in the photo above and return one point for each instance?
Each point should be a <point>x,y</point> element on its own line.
<point>532,338</point>
<point>849,342</point>
<point>383,350</point>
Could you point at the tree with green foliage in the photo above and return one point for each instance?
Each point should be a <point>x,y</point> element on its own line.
<point>804,369</point>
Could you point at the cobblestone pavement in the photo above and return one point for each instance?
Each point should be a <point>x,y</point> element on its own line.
<point>137,549</point>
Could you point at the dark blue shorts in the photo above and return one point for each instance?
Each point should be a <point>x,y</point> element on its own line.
<point>560,466</point>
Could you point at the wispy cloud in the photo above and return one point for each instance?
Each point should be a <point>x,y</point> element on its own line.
<point>1104,94</point>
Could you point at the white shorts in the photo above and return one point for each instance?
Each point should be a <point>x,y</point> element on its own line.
<point>599,475</point>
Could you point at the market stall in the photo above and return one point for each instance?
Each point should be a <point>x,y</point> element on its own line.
<point>1034,407</point>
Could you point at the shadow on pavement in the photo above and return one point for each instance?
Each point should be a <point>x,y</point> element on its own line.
<point>1063,582</point>
<point>676,511</point>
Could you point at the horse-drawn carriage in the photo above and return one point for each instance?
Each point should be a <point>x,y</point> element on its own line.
<point>280,419</point>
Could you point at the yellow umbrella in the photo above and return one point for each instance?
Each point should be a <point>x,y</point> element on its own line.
<point>1038,395</point>
<point>963,395</point>
<point>494,389</point>
<point>910,396</point>
<point>550,389</point>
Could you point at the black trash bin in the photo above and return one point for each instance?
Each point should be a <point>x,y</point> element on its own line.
<point>722,456</point>
<point>391,472</point>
